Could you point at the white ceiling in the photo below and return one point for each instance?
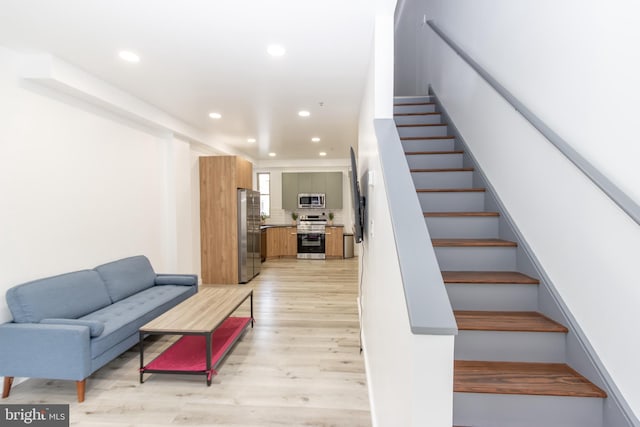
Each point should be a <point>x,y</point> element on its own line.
<point>199,56</point>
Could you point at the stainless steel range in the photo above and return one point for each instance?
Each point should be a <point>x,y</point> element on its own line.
<point>311,237</point>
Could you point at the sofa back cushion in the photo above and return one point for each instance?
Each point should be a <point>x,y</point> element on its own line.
<point>127,276</point>
<point>69,295</point>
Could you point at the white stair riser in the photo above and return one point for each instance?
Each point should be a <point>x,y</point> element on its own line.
<point>434,161</point>
<point>509,410</point>
<point>418,120</point>
<point>425,131</point>
<point>458,179</point>
<point>501,346</point>
<point>428,145</point>
<point>476,258</point>
<point>452,202</point>
<point>430,108</point>
<point>412,98</point>
<point>463,227</point>
<point>492,296</point>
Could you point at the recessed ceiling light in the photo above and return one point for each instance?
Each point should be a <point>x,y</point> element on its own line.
<point>215,115</point>
<point>315,139</point>
<point>276,50</point>
<point>304,113</point>
<point>272,154</point>
<point>128,56</point>
<point>251,140</point>
<point>322,153</point>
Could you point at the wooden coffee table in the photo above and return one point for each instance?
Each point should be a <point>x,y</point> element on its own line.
<point>208,332</point>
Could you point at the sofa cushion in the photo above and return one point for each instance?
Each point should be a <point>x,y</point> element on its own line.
<point>176,279</point>
<point>95,327</point>
<point>127,276</point>
<point>125,317</point>
<point>69,295</point>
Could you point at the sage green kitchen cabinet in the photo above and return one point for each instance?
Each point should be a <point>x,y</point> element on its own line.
<point>304,183</point>
<point>318,182</point>
<point>328,183</point>
<point>290,191</point>
<point>333,186</point>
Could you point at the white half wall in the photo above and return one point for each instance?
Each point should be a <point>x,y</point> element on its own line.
<point>81,186</point>
<point>410,377</point>
<point>575,65</point>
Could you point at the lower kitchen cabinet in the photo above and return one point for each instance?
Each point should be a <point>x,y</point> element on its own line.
<point>333,242</point>
<point>282,242</point>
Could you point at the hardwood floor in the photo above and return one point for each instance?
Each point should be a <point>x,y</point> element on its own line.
<point>300,365</point>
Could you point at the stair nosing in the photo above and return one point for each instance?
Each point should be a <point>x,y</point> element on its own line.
<point>442,170</point>
<point>488,277</point>
<point>472,243</point>
<point>507,321</point>
<point>433,113</point>
<point>411,104</point>
<point>415,125</point>
<point>420,153</point>
<point>451,190</point>
<point>469,381</point>
<point>418,138</point>
<point>460,214</point>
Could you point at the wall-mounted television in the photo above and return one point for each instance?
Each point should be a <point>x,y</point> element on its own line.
<point>358,201</point>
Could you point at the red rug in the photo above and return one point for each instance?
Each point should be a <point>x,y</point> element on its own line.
<point>189,353</point>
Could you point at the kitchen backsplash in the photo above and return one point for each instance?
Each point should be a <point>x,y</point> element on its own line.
<point>281,216</point>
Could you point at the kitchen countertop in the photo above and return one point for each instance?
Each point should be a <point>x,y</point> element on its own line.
<point>265,226</point>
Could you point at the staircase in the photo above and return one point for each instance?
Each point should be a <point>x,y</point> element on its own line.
<point>510,365</point>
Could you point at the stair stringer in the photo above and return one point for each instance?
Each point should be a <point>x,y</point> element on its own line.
<point>580,354</point>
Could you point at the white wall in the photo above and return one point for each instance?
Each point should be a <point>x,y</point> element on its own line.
<point>410,377</point>
<point>575,65</point>
<point>81,186</point>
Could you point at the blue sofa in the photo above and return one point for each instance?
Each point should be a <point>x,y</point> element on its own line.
<point>68,326</point>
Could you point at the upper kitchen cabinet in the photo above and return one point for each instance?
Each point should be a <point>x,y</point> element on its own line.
<point>328,183</point>
<point>220,178</point>
<point>290,191</point>
<point>333,198</point>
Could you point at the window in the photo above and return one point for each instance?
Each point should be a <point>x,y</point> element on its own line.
<point>264,187</point>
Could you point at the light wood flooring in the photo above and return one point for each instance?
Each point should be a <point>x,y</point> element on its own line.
<point>299,366</point>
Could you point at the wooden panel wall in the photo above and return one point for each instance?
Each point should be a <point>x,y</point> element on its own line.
<point>220,177</point>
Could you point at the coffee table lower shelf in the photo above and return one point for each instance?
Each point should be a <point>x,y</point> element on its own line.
<point>189,354</point>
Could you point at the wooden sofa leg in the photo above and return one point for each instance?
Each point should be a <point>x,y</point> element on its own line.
<point>8,381</point>
<point>80,386</point>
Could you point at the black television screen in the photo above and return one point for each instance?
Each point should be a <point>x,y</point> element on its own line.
<point>358,201</point>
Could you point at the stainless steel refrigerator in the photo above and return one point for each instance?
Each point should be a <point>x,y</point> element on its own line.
<point>248,235</point>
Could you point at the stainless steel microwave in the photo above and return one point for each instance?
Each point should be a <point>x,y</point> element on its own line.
<point>311,201</point>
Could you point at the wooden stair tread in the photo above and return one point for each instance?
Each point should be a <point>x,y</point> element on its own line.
<point>416,153</point>
<point>513,321</point>
<point>472,243</point>
<point>500,277</point>
<point>416,138</point>
<point>416,114</point>
<point>451,190</point>
<point>459,214</point>
<point>542,379</point>
<point>417,125</point>
<point>443,170</point>
<point>404,104</point>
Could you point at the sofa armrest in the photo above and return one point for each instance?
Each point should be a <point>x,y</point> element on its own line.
<point>95,327</point>
<point>177,279</point>
<point>45,351</point>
